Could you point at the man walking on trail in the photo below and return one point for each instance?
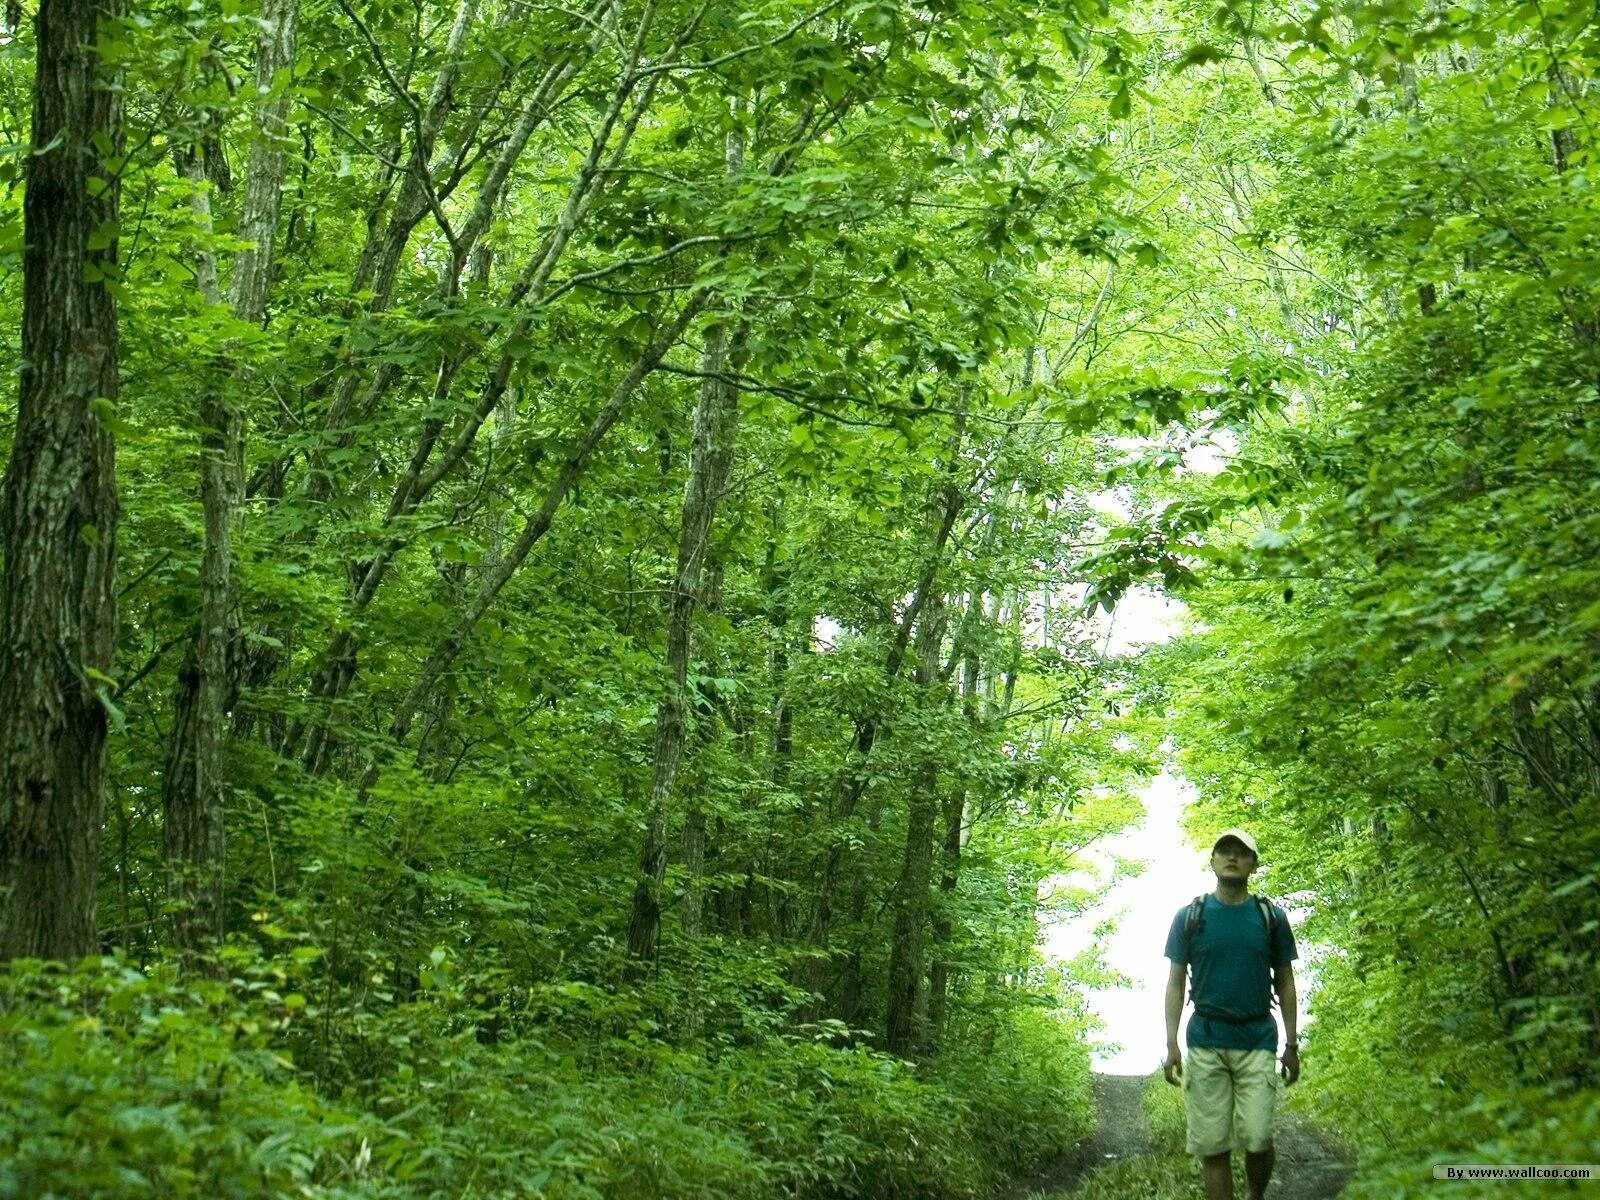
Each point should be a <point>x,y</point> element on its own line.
<point>1239,948</point>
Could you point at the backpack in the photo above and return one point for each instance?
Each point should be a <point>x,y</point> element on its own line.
<point>1195,920</point>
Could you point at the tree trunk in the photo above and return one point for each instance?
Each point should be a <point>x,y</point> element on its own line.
<point>709,461</point>
<point>711,457</point>
<point>784,629</point>
<point>716,424</point>
<point>850,985</point>
<point>853,779</point>
<point>194,790</point>
<point>955,815</point>
<point>902,1034</point>
<point>58,615</point>
<point>258,225</point>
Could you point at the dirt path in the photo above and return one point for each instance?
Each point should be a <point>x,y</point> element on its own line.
<point>1309,1165</point>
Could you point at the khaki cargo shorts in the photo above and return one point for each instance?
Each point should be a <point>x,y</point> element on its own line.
<point>1230,1097</point>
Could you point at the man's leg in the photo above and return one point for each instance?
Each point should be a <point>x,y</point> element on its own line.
<point>1208,1105</point>
<point>1218,1171</point>
<point>1256,1093</point>
<point>1258,1170</point>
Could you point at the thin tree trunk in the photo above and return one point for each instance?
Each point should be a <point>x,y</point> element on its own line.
<point>783,628</point>
<point>194,790</point>
<point>1563,141</point>
<point>955,813</point>
<point>711,457</point>
<point>258,225</point>
<point>533,529</point>
<point>851,983</point>
<point>191,788</point>
<point>855,776</point>
<point>902,1034</point>
<point>721,401</point>
<point>58,614</point>
<point>694,867</point>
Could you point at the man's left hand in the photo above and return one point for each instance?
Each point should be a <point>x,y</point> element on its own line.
<point>1291,1062</point>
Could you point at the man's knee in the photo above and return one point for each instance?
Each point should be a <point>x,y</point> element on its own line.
<point>1265,1152</point>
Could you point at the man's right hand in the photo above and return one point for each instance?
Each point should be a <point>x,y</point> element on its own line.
<point>1173,1070</point>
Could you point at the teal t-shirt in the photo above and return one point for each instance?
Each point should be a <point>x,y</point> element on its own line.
<point>1230,975</point>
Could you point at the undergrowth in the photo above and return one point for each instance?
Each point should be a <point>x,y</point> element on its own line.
<point>122,1085</point>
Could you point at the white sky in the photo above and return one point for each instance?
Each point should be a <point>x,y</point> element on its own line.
<point>1141,906</point>
<point>1143,617</point>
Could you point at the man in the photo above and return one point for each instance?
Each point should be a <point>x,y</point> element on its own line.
<point>1230,1089</point>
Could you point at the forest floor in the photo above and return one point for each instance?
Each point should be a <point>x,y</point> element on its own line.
<point>1123,1157</point>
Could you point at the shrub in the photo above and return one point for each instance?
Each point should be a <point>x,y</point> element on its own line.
<point>1025,1083</point>
<point>1163,1107</point>
<point>117,1084</point>
<point>126,1085</point>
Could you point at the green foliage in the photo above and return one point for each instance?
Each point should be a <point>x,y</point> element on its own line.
<point>120,1083</point>
<point>1024,1074</point>
<point>1161,1177</point>
<point>1306,296</point>
<point>1391,675</point>
<point>1163,1109</point>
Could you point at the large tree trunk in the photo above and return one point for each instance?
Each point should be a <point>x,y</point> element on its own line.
<point>909,901</point>
<point>194,790</point>
<point>58,616</point>
<point>711,457</point>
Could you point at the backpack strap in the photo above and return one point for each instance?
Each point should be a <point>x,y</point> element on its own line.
<point>1271,917</point>
<point>1270,913</point>
<point>1193,922</point>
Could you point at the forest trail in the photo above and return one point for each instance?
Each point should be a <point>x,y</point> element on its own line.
<point>1309,1166</point>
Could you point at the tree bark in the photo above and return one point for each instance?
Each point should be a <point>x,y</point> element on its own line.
<point>788,635</point>
<point>711,457</point>
<point>194,790</point>
<point>955,815</point>
<point>58,614</point>
<point>902,1032</point>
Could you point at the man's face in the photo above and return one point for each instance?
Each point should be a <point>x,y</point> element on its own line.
<point>1232,861</point>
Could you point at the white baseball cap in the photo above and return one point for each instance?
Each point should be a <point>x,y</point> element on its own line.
<point>1239,835</point>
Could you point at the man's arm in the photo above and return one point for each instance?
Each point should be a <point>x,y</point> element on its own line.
<point>1176,978</point>
<point>1289,1002</point>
